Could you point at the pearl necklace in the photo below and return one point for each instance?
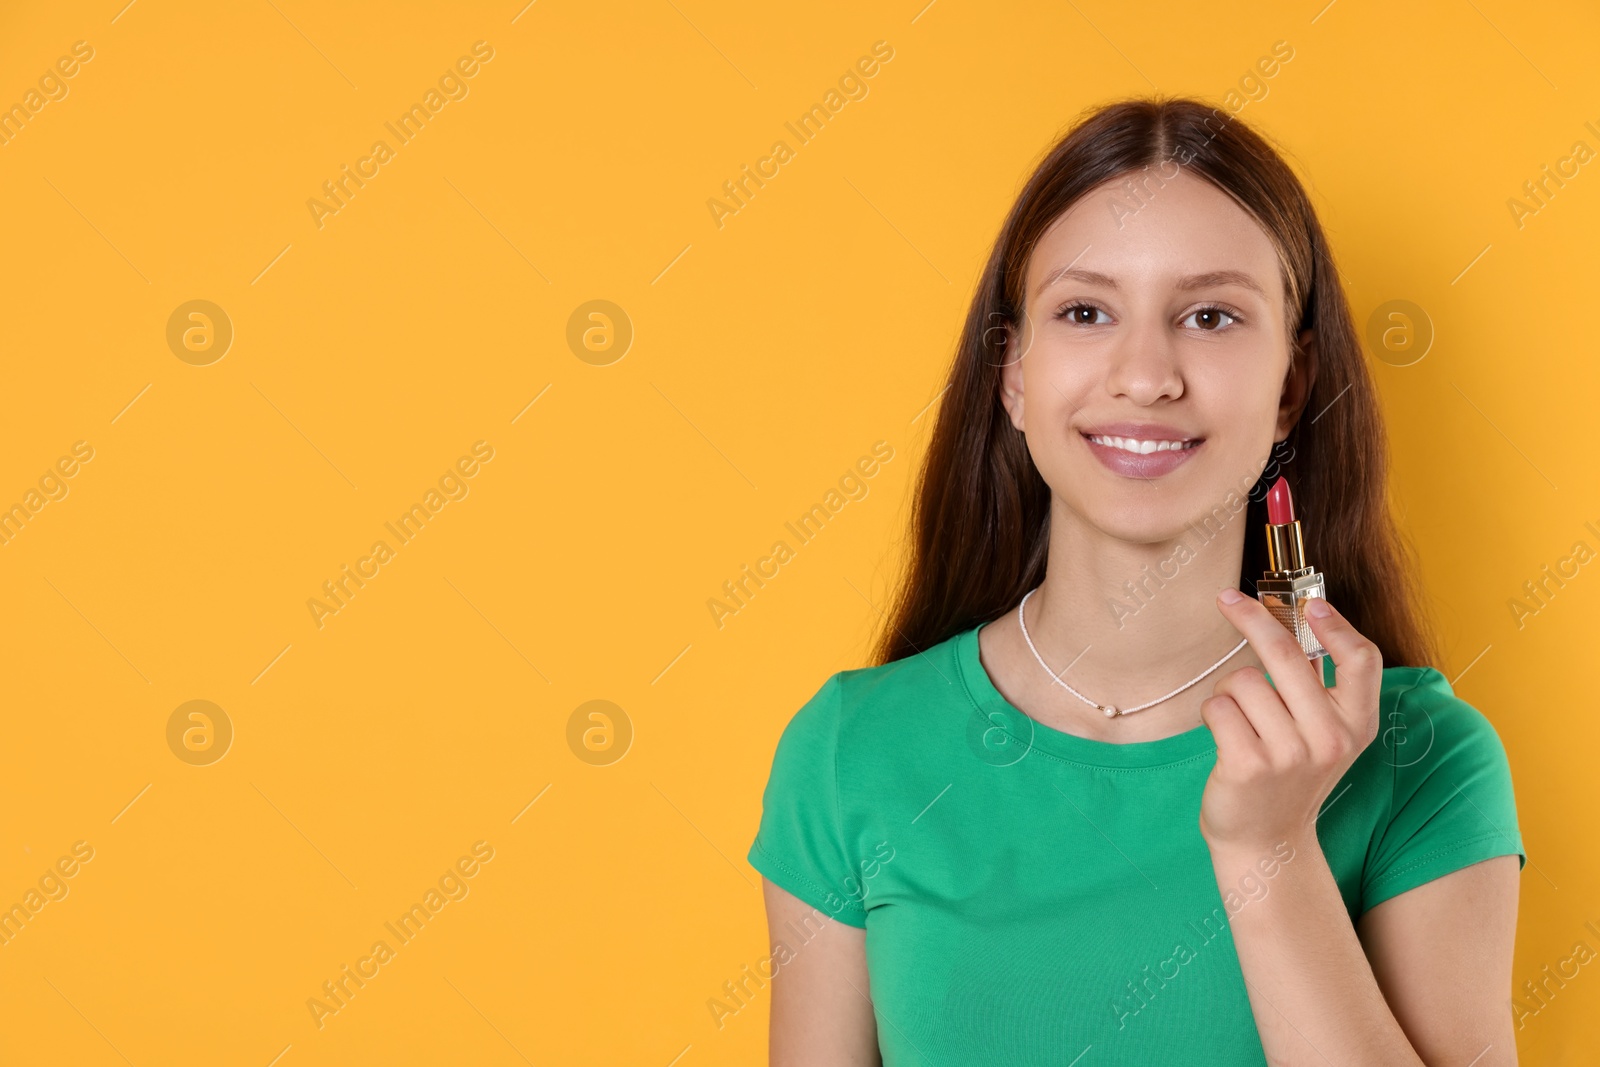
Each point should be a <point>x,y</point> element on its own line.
<point>1110,711</point>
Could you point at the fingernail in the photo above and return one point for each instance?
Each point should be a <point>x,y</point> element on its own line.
<point>1231,596</point>
<point>1318,608</point>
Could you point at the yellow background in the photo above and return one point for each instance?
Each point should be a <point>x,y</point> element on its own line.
<point>768,355</point>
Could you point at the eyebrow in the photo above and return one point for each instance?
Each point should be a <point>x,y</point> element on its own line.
<point>1208,280</point>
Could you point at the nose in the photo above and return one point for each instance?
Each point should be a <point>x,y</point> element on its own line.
<point>1144,365</point>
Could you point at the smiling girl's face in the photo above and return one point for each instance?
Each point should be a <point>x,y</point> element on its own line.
<point>1151,381</point>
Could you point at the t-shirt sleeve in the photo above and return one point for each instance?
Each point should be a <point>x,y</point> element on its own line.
<point>1451,803</point>
<point>800,844</point>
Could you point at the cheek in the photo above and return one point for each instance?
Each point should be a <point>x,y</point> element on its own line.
<point>1238,395</point>
<point>1058,382</point>
<point>1239,408</point>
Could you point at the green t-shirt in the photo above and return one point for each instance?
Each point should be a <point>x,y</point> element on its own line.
<point>1029,894</point>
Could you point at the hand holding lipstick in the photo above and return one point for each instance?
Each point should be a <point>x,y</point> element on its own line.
<point>1280,751</point>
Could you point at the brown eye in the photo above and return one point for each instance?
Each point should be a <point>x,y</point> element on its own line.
<point>1210,318</point>
<point>1079,314</point>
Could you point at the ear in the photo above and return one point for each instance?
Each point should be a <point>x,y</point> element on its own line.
<point>1297,383</point>
<point>1011,376</point>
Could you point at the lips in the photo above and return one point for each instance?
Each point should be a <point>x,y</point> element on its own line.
<point>1143,431</point>
<point>1141,449</point>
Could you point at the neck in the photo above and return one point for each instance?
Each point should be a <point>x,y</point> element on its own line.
<point>1135,621</point>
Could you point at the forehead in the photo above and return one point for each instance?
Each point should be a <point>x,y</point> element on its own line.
<point>1175,227</point>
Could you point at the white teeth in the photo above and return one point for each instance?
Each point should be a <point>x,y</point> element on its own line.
<point>1143,448</point>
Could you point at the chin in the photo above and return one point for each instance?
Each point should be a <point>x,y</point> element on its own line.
<point>1145,526</point>
<point>1141,517</point>
<point>1162,509</point>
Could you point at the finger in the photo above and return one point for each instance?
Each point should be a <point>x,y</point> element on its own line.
<point>1358,663</point>
<point>1263,707</point>
<point>1292,673</point>
<point>1237,741</point>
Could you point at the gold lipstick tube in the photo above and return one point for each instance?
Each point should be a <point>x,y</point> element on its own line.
<point>1289,583</point>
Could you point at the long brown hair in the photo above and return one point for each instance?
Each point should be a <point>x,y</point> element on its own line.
<point>981,512</point>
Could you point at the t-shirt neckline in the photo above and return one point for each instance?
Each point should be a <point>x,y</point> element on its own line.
<point>1032,734</point>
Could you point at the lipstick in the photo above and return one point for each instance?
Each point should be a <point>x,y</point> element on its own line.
<point>1289,581</point>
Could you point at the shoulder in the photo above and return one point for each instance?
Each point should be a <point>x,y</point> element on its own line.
<point>856,710</point>
<point>1440,795</point>
<point>1423,723</point>
<point>903,693</point>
